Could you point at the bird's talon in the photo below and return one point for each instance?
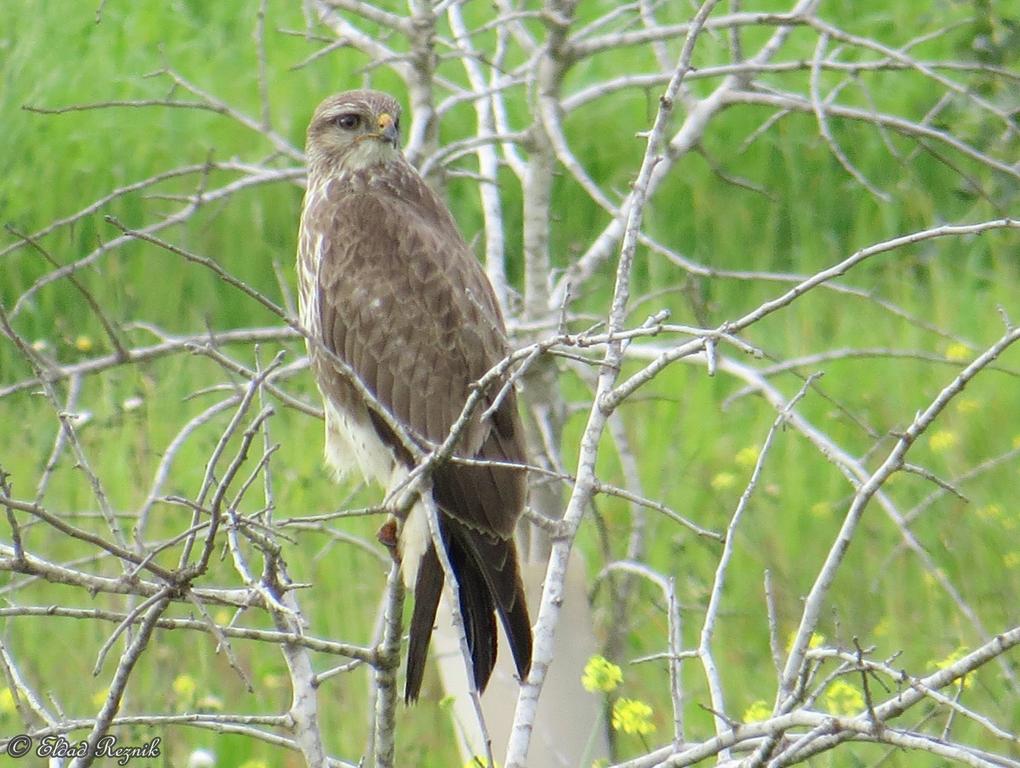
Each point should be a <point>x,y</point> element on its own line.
<point>387,536</point>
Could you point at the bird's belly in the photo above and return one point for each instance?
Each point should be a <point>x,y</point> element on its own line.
<point>352,443</point>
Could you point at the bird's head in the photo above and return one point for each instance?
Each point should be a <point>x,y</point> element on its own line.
<point>353,130</point>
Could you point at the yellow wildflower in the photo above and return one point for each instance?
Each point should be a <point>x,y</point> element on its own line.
<point>723,480</point>
<point>632,716</point>
<point>7,706</point>
<point>600,674</point>
<point>254,764</point>
<point>950,660</point>
<point>99,697</point>
<point>882,628</point>
<point>83,343</point>
<point>747,457</point>
<point>943,440</point>
<point>816,641</point>
<point>958,352</point>
<point>821,509</point>
<point>184,687</point>
<point>990,512</point>
<point>843,699</point>
<point>968,405</point>
<point>758,711</point>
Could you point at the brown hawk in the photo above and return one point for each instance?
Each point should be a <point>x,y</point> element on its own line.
<point>388,285</point>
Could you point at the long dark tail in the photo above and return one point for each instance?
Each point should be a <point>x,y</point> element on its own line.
<point>427,590</point>
<point>489,582</point>
<point>496,575</point>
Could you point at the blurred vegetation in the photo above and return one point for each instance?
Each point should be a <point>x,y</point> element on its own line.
<point>696,447</point>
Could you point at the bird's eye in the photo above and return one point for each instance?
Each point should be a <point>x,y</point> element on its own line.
<point>348,121</point>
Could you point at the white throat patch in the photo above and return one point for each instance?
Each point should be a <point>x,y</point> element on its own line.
<point>366,152</point>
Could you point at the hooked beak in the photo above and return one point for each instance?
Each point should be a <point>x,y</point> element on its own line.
<point>388,129</point>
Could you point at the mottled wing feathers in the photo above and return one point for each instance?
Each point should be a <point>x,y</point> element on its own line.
<point>405,304</point>
<point>398,296</point>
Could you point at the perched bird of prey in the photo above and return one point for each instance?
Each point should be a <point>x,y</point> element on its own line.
<point>389,287</point>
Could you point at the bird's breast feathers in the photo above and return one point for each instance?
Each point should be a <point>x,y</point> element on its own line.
<point>352,443</point>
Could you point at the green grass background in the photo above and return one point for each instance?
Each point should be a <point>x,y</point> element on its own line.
<point>53,54</point>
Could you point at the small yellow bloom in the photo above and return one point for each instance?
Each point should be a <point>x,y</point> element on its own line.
<point>843,699</point>
<point>958,352</point>
<point>600,674</point>
<point>7,706</point>
<point>1011,560</point>
<point>943,440</point>
<point>758,711</point>
<point>950,660</point>
<point>747,457</point>
<point>222,617</point>
<point>968,405</point>
<point>821,509</point>
<point>995,513</point>
<point>254,764</point>
<point>882,628</point>
<point>723,480</point>
<point>184,687</point>
<point>990,512</point>
<point>632,716</point>
<point>83,343</point>
<point>816,641</point>
<point>99,697</point>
